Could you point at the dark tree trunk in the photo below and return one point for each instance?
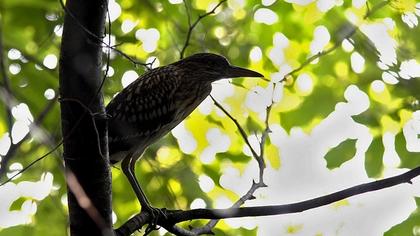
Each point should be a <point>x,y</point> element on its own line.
<point>84,139</point>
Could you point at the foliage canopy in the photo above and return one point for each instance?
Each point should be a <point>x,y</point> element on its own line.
<point>342,84</point>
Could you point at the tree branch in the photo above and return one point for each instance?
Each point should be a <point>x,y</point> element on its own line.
<point>80,80</point>
<point>194,24</point>
<point>177,216</point>
<point>215,214</point>
<point>308,61</point>
<point>7,94</point>
<point>35,125</point>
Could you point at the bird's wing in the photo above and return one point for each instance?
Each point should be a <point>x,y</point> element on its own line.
<point>141,109</point>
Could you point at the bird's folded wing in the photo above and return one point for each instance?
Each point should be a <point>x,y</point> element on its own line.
<point>141,109</point>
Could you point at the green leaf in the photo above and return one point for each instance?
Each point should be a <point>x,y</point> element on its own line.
<point>17,204</point>
<point>408,159</point>
<point>367,118</point>
<point>214,121</point>
<point>340,154</point>
<point>238,84</point>
<point>317,105</point>
<point>234,157</point>
<point>410,226</point>
<point>252,125</point>
<point>373,158</point>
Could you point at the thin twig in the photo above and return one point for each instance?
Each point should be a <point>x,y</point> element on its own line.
<point>35,125</point>
<point>173,217</point>
<point>370,12</point>
<point>33,163</point>
<point>92,116</point>
<point>101,42</point>
<point>32,58</point>
<point>258,157</point>
<point>241,130</point>
<point>193,25</point>
<point>86,107</point>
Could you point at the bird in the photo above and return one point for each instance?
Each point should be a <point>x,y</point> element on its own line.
<point>156,102</point>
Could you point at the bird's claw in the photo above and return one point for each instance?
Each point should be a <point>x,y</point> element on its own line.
<point>155,215</point>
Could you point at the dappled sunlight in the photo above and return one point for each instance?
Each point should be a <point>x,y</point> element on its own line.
<point>280,42</point>
<point>206,183</point>
<point>149,39</point>
<point>49,94</point>
<point>50,61</point>
<point>114,10</point>
<point>185,139</point>
<point>340,88</point>
<point>266,16</point>
<point>259,98</point>
<point>304,83</point>
<point>198,203</point>
<point>217,142</point>
<point>391,160</point>
<point>321,39</point>
<point>307,166</point>
<point>411,133</point>
<point>5,143</point>
<point>23,119</point>
<point>128,25</point>
<point>255,54</point>
<point>357,63</point>
<point>33,191</point>
<point>323,5</point>
<point>409,69</point>
<point>378,33</point>
<point>14,54</point>
<point>128,78</point>
<point>15,69</point>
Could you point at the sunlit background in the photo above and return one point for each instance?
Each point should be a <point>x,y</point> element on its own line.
<point>347,117</point>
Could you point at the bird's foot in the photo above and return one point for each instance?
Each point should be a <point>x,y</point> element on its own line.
<point>156,214</point>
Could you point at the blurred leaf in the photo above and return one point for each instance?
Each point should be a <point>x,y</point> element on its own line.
<point>367,118</point>
<point>253,126</point>
<point>340,154</point>
<point>17,204</point>
<point>315,107</point>
<point>410,226</point>
<point>234,157</point>
<point>373,158</point>
<point>408,159</point>
<point>214,121</point>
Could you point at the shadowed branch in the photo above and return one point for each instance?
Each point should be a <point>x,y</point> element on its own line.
<point>177,216</point>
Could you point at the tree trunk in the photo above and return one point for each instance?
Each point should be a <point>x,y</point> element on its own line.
<point>84,132</point>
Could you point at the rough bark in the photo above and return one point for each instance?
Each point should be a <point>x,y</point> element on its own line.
<point>84,134</point>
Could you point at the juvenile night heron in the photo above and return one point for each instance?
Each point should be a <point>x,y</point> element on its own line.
<point>156,102</point>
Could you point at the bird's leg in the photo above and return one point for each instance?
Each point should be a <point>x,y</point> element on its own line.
<point>128,167</point>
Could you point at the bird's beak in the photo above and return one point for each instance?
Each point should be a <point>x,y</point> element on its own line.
<point>235,71</point>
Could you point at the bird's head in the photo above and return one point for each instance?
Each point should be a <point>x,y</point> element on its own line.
<point>211,67</point>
